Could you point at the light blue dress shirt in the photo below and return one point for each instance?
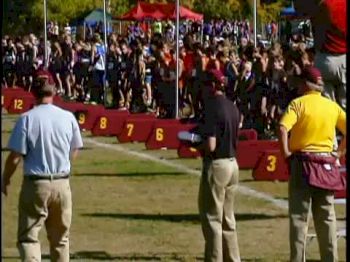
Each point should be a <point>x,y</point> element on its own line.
<point>45,136</point>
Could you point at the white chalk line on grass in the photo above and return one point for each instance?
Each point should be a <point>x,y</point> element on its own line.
<point>242,189</point>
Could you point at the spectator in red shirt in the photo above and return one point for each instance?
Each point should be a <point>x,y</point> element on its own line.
<point>328,19</point>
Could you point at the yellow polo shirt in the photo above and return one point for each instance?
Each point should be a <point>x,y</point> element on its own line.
<point>311,120</point>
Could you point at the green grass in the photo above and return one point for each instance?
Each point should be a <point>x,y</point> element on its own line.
<point>129,209</point>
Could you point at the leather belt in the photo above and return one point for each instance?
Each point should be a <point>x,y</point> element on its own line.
<point>314,153</point>
<point>38,177</point>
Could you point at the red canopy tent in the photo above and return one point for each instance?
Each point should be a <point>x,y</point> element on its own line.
<point>159,11</point>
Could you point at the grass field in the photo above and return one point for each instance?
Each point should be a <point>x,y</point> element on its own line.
<point>129,208</point>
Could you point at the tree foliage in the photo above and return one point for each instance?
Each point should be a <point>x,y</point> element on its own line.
<point>25,16</point>
<point>230,9</point>
<point>268,13</point>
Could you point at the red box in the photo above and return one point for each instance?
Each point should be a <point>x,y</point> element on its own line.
<point>7,95</point>
<point>271,166</point>
<point>21,103</point>
<point>164,134</point>
<point>109,123</point>
<point>136,129</point>
<point>186,151</point>
<point>87,117</point>
<point>249,151</point>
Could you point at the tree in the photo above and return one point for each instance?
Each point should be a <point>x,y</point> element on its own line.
<point>26,16</point>
<point>230,9</point>
<point>270,12</point>
<point>29,14</point>
<point>119,7</point>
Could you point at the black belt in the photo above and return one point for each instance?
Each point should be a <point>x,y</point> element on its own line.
<point>37,177</point>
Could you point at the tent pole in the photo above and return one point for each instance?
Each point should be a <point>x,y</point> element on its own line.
<point>177,59</point>
<point>255,23</point>
<point>45,36</point>
<point>84,31</point>
<point>106,48</point>
<point>202,32</point>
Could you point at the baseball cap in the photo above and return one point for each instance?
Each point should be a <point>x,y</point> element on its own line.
<point>311,74</point>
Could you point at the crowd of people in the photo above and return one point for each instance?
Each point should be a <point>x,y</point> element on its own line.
<point>227,85</point>
<point>141,68</point>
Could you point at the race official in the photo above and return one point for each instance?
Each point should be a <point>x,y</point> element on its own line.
<point>47,138</point>
<point>219,173</point>
<point>311,121</point>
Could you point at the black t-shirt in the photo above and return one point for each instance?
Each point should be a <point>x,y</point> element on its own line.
<point>66,52</point>
<point>221,119</point>
<point>10,55</point>
<point>113,67</point>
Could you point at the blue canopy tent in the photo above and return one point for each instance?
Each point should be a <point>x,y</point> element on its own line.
<point>92,19</point>
<point>289,12</point>
<point>291,16</point>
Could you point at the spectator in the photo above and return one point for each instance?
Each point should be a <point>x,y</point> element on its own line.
<point>81,68</point>
<point>244,92</point>
<point>67,29</point>
<point>274,31</point>
<point>56,29</point>
<point>137,82</point>
<point>67,64</point>
<point>157,27</point>
<point>74,67</point>
<point>20,65</point>
<point>98,67</point>
<point>56,66</point>
<point>9,61</point>
<point>329,23</point>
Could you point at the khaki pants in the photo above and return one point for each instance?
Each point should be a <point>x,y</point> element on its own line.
<point>216,207</point>
<point>333,70</point>
<point>46,202</point>
<point>302,198</point>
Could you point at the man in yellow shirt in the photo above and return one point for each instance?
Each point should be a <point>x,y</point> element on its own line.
<point>311,121</point>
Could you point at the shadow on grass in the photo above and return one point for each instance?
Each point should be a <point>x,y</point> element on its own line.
<point>282,198</point>
<point>130,174</point>
<point>247,180</point>
<point>86,148</point>
<point>104,256</point>
<point>191,218</point>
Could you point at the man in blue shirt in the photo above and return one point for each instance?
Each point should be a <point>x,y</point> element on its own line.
<point>47,138</point>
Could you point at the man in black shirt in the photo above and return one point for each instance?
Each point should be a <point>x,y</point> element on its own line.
<point>220,173</point>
